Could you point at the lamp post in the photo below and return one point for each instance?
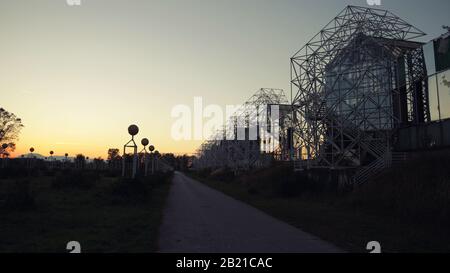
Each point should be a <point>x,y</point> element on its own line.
<point>132,130</point>
<point>144,143</point>
<point>65,160</point>
<point>51,159</point>
<point>30,158</point>
<point>156,154</point>
<point>152,148</point>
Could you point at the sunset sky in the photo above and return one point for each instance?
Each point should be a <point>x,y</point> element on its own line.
<point>79,75</point>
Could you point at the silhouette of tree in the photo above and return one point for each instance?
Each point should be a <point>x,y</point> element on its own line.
<point>113,154</point>
<point>99,163</point>
<point>114,158</point>
<point>10,126</point>
<point>170,159</point>
<point>184,162</point>
<point>80,161</point>
<point>10,147</point>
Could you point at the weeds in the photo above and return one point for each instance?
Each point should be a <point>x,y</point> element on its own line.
<point>79,179</point>
<point>19,196</point>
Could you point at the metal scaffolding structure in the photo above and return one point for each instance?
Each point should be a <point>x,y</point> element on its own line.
<point>361,77</point>
<point>245,142</point>
<point>354,84</point>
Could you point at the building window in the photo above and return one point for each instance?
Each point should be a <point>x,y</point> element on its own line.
<point>439,94</point>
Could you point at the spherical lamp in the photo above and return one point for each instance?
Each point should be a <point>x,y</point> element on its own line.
<point>133,130</point>
<point>145,142</point>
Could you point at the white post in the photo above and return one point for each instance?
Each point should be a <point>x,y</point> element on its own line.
<point>123,161</point>
<point>135,161</point>
<point>153,163</point>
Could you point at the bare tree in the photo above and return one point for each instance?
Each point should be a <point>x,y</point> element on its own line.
<point>10,127</point>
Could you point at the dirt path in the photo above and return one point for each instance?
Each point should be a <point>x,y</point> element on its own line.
<point>199,219</point>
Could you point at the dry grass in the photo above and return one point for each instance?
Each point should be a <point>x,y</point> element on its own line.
<point>101,217</point>
<point>407,209</point>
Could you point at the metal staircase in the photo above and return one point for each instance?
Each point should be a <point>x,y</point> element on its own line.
<point>375,168</point>
<point>376,147</point>
<point>378,166</point>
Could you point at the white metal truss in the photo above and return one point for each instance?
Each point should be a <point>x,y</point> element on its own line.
<point>361,77</point>
<point>225,149</point>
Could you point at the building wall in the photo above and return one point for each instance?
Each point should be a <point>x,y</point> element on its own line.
<point>437,57</point>
<point>361,80</point>
<point>439,92</point>
<point>425,136</point>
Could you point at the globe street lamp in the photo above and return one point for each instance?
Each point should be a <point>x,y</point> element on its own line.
<point>66,159</point>
<point>30,157</point>
<point>132,130</point>
<point>144,143</point>
<point>152,148</point>
<point>51,159</point>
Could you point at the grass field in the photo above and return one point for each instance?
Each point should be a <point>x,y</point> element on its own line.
<point>106,214</point>
<point>406,210</point>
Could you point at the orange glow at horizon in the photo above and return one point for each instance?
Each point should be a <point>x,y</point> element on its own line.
<point>79,76</point>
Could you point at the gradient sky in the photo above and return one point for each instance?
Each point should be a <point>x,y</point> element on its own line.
<point>78,76</point>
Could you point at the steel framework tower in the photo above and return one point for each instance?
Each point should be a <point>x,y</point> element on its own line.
<point>233,147</point>
<point>361,77</point>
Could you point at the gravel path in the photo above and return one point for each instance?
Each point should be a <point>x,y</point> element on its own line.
<point>198,219</point>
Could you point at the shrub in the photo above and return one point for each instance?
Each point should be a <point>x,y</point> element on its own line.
<point>112,173</point>
<point>289,186</point>
<point>135,191</point>
<point>253,191</point>
<point>278,180</point>
<point>131,190</point>
<point>158,178</point>
<point>204,173</point>
<point>14,172</point>
<point>75,179</point>
<point>223,174</point>
<point>19,196</point>
<point>418,190</point>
